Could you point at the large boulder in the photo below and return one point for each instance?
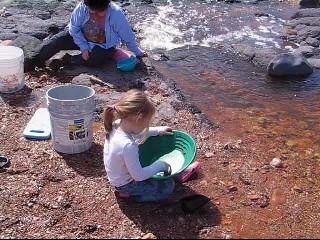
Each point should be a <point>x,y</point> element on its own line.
<point>289,64</point>
<point>27,43</point>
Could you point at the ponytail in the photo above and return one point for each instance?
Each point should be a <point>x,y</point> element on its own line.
<point>108,118</point>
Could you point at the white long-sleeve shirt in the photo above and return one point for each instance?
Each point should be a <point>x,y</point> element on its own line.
<point>121,158</point>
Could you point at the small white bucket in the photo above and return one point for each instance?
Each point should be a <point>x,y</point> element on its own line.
<point>71,110</point>
<point>11,69</point>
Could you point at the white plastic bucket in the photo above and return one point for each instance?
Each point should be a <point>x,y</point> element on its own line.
<point>71,110</point>
<point>11,69</point>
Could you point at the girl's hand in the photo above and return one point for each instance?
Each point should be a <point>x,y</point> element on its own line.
<point>165,130</point>
<point>85,54</point>
<point>167,171</point>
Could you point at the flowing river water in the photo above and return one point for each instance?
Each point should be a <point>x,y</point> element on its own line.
<point>228,90</point>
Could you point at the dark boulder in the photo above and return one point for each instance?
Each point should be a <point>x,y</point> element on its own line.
<point>309,3</point>
<point>289,64</point>
<point>27,43</point>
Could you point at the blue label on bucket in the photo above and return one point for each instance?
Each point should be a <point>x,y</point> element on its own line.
<point>79,121</point>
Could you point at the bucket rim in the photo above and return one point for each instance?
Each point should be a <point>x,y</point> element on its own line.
<point>17,54</point>
<point>70,85</point>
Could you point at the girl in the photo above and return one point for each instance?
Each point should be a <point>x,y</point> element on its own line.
<point>127,125</point>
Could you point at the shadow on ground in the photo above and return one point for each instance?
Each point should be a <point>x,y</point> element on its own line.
<point>167,220</point>
<point>23,98</point>
<point>110,75</point>
<point>89,163</point>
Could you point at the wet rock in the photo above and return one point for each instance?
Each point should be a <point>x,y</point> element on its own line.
<point>259,57</point>
<point>304,29</point>
<point>302,13</point>
<point>288,64</point>
<point>314,42</point>
<point>309,3</point>
<point>315,62</point>
<point>307,51</point>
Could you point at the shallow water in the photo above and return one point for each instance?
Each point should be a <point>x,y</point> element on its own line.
<point>231,92</point>
<point>247,105</point>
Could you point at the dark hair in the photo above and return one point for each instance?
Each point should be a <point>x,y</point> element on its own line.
<point>97,5</point>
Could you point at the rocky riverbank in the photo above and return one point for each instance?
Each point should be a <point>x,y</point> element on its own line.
<point>45,194</point>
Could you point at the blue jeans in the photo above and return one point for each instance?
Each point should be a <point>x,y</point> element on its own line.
<point>150,190</point>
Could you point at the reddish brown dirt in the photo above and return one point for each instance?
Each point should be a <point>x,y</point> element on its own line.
<point>45,194</point>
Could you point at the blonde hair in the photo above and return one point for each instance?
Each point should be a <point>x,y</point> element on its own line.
<point>133,102</point>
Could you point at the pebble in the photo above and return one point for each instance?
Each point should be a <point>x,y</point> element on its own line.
<point>43,78</point>
<point>276,162</point>
<point>233,188</point>
<point>209,155</point>
<point>297,189</point>
<point>2,11</point>
<point>226,236</point>
<point>181,220</point>
<point>204,183</point>
<point>253,197</point>
<point>204,231</point>
<point>149,236</point>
